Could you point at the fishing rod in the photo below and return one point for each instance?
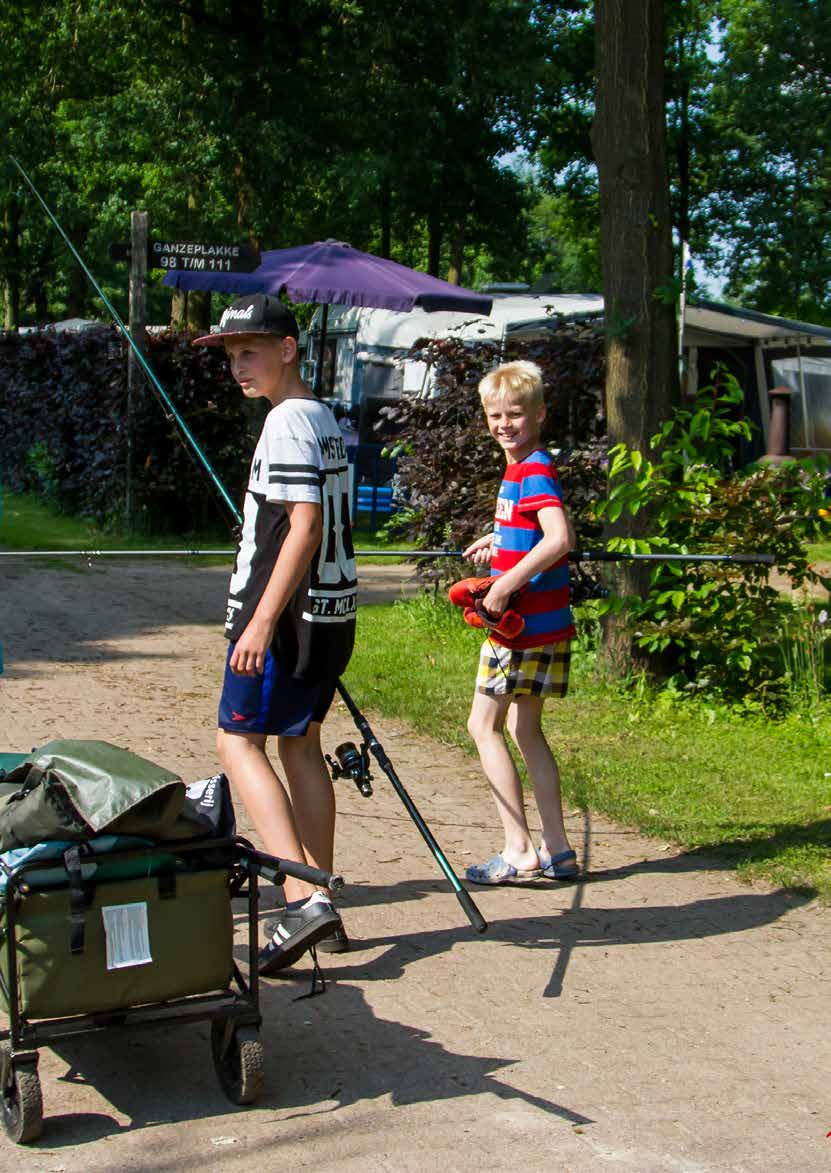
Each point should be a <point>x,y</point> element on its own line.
<point>354,763</point>
<point>465,899</point>
<point>752,559</point>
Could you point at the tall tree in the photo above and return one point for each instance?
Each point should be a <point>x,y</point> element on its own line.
<point>28,91</point>
<point>437,104</point>
<point>770,202</point>
<point>693,154</point>
<point>628,137</point>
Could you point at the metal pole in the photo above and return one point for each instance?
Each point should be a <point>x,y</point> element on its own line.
<point>138,331</point>
<point>686,264</point>
<point>321,350</point>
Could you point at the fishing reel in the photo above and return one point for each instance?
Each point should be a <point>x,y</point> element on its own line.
<point>583,587</point>
<point>351,762</point>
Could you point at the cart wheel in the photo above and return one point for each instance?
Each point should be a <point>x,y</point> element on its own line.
<point>238,1060</point>
<point>23,1105</point>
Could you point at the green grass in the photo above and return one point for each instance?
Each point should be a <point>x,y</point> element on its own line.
<point>820,552</point>
<point>364,537</point>
<point>753,792</point>
<point>27,523</point>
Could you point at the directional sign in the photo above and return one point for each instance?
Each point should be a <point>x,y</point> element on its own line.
<point>184,254</point>
<point>208,258</point>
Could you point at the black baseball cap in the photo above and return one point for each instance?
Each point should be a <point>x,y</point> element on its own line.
<point>256,313</point>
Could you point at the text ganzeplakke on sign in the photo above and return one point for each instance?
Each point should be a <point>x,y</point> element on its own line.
<point>204,257</point>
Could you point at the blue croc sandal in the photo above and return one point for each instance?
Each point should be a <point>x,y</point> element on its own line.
<point>562,866</point>
<point>499,871</point>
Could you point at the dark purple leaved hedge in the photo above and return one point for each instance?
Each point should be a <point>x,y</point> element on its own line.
<point>63,429</point>
<point>63,432</point>
<point>449,466</point>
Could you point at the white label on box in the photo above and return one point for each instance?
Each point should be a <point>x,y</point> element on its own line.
<point>127,933</point>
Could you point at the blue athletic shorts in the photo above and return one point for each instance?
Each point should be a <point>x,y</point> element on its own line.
<point>273,703</point>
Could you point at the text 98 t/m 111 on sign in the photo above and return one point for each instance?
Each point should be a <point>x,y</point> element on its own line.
<point>205,264</point>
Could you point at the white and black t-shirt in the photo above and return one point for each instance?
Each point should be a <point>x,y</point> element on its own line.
<point>300,456</point>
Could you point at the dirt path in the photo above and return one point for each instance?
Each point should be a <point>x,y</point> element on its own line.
<point>658,1016</point>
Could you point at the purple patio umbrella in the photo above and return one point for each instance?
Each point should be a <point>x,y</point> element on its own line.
<point>330,272</point>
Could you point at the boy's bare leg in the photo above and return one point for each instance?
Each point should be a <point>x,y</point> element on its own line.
<point>486,726</point>
<point>244,760</point>
<point>312,795</point>
<point>525,726</point>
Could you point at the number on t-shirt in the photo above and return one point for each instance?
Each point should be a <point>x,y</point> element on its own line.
<point>334,564</point>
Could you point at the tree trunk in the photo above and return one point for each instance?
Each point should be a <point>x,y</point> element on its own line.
<point>76,298</point>
<point>683,147</point>
<point>199,310</point>
<point>434,237</point>
<point>11,268</point>
<point>248,21</point>
<point>457,252</point>
<point>629,142</point>
<point>386,217</point>
<point>179,309</point>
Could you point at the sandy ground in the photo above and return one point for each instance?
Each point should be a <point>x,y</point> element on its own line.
<point>657,1016</point>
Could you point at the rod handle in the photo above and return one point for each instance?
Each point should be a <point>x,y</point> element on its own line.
<point>471,911</point>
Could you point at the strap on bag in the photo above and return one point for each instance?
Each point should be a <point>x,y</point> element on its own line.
<point>80,896</point>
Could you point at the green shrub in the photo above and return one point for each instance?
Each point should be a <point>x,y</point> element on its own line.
<point>717,627</point>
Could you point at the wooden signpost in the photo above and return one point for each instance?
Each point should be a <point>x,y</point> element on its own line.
<point>143,254</point>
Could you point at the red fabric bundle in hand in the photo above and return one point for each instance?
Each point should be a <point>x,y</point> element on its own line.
<point>470,595</point>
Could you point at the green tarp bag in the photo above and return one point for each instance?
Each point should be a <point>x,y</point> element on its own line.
<point>75,790</point>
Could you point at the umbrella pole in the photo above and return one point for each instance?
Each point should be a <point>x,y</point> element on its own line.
<point>321,350</point>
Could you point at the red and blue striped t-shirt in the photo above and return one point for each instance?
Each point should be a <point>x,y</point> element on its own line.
<point>528,486</point>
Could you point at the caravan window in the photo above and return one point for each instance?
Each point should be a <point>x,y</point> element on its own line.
<point>382,380</point>
<point>338,365</point>
<point>810,379</point>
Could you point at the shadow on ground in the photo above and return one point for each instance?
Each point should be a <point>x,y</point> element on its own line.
<point>726,856</point>
<point>330,1052</point>
<point>320,1056</point>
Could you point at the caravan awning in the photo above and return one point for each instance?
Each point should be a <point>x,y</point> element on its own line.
<point>708,323</point>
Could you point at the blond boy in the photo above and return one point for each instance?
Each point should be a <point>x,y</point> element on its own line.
<point>527,551</point>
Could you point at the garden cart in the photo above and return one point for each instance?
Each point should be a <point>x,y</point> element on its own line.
<point>119,931</point>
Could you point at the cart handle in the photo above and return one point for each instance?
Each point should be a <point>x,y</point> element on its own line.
<point>269,867</point>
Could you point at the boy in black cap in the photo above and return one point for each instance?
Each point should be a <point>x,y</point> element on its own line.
<point>290,618</point>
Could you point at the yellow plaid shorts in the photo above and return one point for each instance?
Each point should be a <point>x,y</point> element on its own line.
<point>524,671</point>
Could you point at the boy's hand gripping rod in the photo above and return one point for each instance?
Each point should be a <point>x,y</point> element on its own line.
<point>377,750</point>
